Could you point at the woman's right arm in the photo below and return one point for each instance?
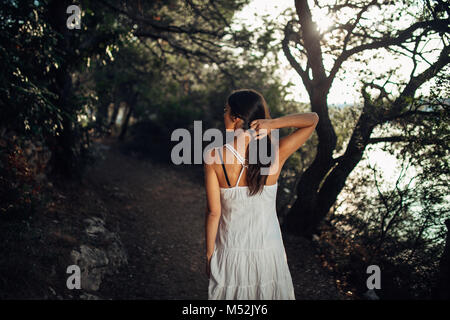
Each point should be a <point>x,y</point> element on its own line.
<point>305,122</point>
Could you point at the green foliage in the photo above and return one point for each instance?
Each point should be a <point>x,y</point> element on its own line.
<point>20,192</point>
<point>27,55</point>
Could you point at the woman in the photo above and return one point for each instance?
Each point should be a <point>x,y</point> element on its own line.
<point>245,254</point>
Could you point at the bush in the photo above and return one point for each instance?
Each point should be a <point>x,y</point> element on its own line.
<point>22,174</point>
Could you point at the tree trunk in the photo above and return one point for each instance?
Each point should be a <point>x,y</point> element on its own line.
<point>115,113</point>
<point>442,290</point>
<point>101,116</point>
<point>63,154</point>
<point>335,181</point>
<point>301,218</point>
<point>322,182</point>
<point>131,105</point>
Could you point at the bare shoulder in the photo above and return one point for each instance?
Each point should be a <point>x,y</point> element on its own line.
<point>211,156</point>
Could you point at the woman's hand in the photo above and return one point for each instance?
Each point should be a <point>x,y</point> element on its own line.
<point>208,267</point>
<point>262,127</point>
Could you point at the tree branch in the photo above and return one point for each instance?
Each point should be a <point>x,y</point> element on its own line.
<point>437,25</point>
<point>294,64</point>
<point>400,139</point>
<point>162,26</point>
<point>311,40</point>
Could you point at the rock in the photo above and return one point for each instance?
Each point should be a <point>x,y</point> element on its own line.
<point>371,295</point>
<point>88,296</point>
<point>117,257</point>
<point>96,227</point>
<point>95,262</point>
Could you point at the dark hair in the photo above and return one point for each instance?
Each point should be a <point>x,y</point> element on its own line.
<point>249,105</point>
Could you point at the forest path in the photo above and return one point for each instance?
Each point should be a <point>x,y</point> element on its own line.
<point>158,211</point>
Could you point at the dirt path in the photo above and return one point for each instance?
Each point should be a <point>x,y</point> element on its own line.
<point>158,211</point>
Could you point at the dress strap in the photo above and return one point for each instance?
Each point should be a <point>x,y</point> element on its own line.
<point>223,166</point>
<point>233,150</point>
<point>240,175</point>
<point>239,158</point>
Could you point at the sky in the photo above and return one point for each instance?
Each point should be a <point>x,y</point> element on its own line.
<point>342,92</point>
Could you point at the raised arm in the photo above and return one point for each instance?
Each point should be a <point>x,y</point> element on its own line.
<point>305,122</point>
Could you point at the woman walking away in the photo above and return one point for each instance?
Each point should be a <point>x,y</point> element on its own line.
<point>245,254</point>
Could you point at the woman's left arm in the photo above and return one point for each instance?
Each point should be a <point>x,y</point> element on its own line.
<point>213,209</point>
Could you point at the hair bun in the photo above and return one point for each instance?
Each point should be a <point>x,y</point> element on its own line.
<point>246,125</point>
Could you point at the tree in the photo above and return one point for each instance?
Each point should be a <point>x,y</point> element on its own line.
<point>40,55</point>
<point>348,40</point>
<point>199,31</point>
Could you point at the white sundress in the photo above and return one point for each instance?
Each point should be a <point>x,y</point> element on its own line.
<point>249,259</point>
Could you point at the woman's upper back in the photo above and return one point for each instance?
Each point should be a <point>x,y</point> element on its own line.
<point>231,169</point>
